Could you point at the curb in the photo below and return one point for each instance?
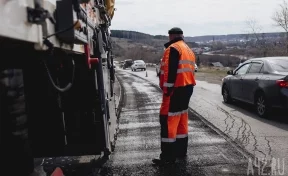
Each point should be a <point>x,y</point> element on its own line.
<point>121,100</point>
<point>118,112</point>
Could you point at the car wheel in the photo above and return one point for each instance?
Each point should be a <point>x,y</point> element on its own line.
<point>144,69</point>
<point>261,105</point>
<point>226,95</point>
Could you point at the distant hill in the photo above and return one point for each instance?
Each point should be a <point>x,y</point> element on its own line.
<point>135,45</point>
<point>133,35</point>
<point>150,48</point>
<point>232,37</point>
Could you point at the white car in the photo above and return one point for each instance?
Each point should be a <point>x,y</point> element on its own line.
<point>114,64</point>
<point>138,64</point>
<point>196,68</point>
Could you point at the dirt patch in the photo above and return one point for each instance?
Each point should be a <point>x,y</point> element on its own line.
<point>211,75</point>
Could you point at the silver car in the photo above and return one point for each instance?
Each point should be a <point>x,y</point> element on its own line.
<point>138,65</point>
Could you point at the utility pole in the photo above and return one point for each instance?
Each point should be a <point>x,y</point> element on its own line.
<point>198,61</point>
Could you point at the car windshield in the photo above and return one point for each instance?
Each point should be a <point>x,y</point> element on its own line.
<point>139,61</point>
<point>279,65</point>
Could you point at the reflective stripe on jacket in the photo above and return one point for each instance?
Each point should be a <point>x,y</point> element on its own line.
<point>177,66</point>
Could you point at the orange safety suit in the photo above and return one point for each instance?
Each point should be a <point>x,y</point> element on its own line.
<point>177,82</point>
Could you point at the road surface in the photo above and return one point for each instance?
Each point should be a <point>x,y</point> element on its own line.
<point>267,139</point>
<point>138,140</point>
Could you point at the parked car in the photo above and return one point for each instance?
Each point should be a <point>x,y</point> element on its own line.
<point>196,68</point>
<point>122,64</point>
<point>262,82</point>
<point>127,63</point>
<point>116,63</point>
<point>138,64</point>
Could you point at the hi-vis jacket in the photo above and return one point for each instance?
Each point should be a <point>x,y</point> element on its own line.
<point>177,66</point>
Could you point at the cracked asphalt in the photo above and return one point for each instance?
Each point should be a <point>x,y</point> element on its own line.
<point>266,139</point>
<point>138,139</point>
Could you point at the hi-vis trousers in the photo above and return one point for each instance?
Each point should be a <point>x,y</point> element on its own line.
<point>174,123</point>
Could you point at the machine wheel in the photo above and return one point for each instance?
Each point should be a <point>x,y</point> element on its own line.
<point>108,150</point>
<point>13,121</point>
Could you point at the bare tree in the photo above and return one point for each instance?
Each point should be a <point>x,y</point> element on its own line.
<point>281,19</point>
<point>255,30</point>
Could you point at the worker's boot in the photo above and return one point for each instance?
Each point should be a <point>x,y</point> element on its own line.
<point>163,162</point>
<point>164,159</point>
<point>181,148</point>
<point>181,155</point>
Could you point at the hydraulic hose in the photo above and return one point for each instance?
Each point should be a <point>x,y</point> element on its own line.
<point>69,85</point>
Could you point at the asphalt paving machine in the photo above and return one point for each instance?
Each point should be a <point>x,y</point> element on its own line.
<point>56,78</point>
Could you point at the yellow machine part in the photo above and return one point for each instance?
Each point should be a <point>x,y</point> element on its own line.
<point>110,7</point>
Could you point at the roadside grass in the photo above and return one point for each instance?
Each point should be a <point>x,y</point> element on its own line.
<point>213,70</point>
<point>211,74</point>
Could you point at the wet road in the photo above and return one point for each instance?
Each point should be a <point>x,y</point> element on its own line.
<point>267,139</point>
<point>138,140</point>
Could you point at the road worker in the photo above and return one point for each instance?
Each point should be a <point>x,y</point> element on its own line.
<point>177,82</point>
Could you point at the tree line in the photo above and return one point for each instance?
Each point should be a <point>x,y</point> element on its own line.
<point>134,35</point>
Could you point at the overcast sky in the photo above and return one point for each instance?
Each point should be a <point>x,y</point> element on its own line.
<point>195,17</point>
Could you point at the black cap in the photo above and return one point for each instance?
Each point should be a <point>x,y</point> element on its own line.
<point>175,30</point>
